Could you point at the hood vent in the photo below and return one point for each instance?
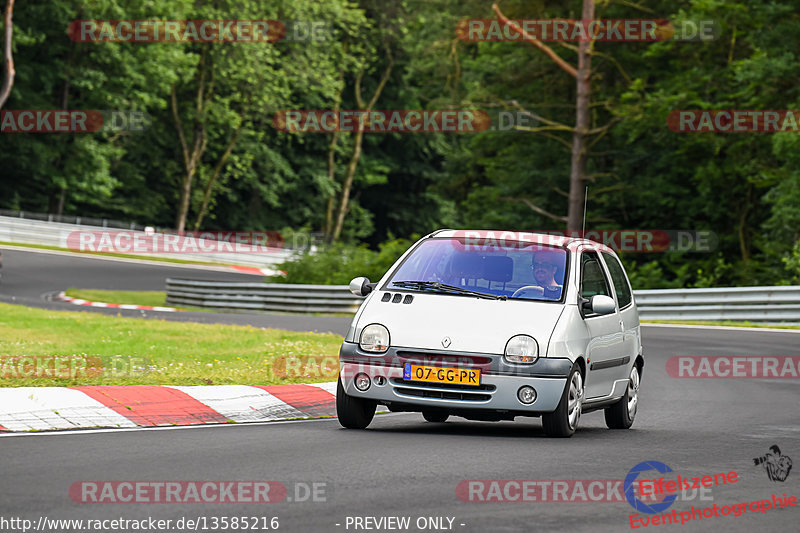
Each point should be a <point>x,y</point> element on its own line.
<point>397,298</point>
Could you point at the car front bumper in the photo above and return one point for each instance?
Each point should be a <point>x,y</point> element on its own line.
<point>497,391</point>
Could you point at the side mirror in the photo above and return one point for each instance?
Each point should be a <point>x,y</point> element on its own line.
<point>599,304</point>
<point>361,286</point>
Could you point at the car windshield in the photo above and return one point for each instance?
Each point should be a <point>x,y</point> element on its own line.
<point>530,271</point>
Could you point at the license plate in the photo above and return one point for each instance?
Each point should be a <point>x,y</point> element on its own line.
<point>438,374</point>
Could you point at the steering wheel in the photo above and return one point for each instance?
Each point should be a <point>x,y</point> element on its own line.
<point>537,288</point>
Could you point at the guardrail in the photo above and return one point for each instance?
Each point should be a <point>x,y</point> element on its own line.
<point>29,231</point>
<point>236,296</point>
<point>756,304</point>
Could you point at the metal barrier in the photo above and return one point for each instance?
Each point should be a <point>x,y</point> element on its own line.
<point>757,304</point>
<point>262,296</point>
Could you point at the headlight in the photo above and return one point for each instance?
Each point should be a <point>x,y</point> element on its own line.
<point>522,349</point>
<point>374,338</point>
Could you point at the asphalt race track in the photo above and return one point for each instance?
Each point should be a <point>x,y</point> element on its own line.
<point>405,467</point>
<point>31,278</point>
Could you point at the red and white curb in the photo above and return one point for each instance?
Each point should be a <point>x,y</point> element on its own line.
<point>78,301</point>
<point>257,271</point>
<point>128,406</point>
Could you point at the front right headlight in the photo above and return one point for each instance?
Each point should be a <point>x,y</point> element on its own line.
<point>521,349</point>
<point>374,338</point>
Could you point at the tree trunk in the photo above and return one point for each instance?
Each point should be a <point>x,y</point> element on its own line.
<point>584,91</point>
<point>8,60</point>
<point>191,156</point>
<point>742,229</point>
<point>183,203</point>
<point>214,176</point>
<point>581,131</point>
<point>62,194</point>
<point>328,229</point>
<point>61,197</point>
<point>353,165</point>
<point>348,183</point>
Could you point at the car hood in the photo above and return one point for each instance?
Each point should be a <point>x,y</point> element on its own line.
<point>472,324</point>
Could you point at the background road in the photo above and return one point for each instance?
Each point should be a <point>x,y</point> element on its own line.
<point>403,466</point>
<point>30,278</point>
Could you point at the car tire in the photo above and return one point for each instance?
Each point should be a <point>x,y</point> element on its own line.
<point>435,416</point>
<point>564,420</point>
<point>353,413</point>
<point>621,414</point>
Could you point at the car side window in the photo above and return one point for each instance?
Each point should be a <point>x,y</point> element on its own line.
<point>593,280</point>
<point>621,287</point>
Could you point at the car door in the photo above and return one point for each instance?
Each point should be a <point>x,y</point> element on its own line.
<point>605,331</point>
<point>627,311</point>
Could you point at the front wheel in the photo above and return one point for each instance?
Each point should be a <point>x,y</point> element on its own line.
<point>564,420</point>
<point>621,414</point>
<point>353,413</point>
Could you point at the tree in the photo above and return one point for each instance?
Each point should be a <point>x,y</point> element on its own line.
<point>236,88</point>
<point>364,56</point>
<point>8,60</point>
<point>581,131</point>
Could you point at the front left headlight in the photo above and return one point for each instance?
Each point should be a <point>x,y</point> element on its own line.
<point>521,349</point>
<point>374,338</point>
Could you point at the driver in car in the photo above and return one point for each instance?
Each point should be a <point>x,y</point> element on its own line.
<point>544,271</point>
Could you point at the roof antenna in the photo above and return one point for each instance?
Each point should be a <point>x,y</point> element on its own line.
<point>585,199</point>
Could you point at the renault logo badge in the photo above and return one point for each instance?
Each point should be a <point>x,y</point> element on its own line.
<point>446,342</point>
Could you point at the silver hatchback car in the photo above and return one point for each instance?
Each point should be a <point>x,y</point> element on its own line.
<point>491,325</point>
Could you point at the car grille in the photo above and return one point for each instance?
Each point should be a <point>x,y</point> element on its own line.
<point>449,358</point>
<point>443,391</point>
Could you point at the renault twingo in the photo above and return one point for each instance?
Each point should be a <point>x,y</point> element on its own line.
<point>491,325</point>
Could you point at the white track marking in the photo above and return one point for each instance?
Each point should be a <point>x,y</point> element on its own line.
<point>329,387</point>
<point>241,403</point>
<point>43,408</point>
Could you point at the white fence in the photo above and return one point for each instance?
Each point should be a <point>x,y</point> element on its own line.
<point>27,231</point>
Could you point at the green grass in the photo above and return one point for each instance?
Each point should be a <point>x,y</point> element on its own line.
<point>131,351</point>
<point>108,254</point>
<point>151,298</point>
<point>740,324</point>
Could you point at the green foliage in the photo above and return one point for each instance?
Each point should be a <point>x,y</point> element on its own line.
<point>792,262</point>
<point>743,187</point>
<point>649,276</point>
<point>339,263</point>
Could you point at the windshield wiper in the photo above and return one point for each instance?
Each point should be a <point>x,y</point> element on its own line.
<point>444,288</point>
